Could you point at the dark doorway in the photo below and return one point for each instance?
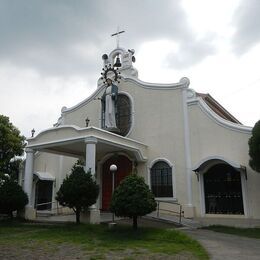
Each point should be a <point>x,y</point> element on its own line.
<point>223,192</point>
<point>124,168</point>
<point>43,194</point>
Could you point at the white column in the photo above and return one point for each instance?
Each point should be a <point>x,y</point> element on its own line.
<point>189,207</point>
<point>93,216</point>
<point>28,175</point>
<point>187,145</point>
<point>91,154</point>
<point>30,212</point>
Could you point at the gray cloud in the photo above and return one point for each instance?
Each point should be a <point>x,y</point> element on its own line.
<point>247,23</point>
<point>190,53</point>
<point>45,35</point>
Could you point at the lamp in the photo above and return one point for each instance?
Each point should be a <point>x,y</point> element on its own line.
<point>33,132</point>
<point>87,121</point>
<point>113,169</point>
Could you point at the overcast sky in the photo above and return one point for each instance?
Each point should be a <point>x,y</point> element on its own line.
<point>50,51</point>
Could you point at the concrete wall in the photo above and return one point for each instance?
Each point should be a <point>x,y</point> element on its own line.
<point>209,138</point>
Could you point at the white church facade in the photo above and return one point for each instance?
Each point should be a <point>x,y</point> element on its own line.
<point>188,148</point>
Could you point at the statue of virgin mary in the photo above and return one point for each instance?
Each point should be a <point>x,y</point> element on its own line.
<point>110,99</point>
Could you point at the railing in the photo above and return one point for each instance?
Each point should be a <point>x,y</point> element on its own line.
<point>170,209</point>
<point>55,210</point>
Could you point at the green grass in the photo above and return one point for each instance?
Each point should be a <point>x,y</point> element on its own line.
<point>98,241</point>
<point>244,232</point>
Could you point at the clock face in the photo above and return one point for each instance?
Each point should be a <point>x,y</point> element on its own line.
<point>110,72</point>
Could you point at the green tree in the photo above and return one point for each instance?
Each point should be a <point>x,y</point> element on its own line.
<point>254,148</point>
<point>78,191</point>
<point>132,198</point>
<point>12,196</point>
<point>12,144</point>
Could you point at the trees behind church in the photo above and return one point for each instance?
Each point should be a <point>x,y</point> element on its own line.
<point>12,143</point>
<point>78,191</point>
<point>132,198</point>
<point>254,148</point>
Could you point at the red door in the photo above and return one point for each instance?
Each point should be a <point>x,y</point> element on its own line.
<point>124,168</point>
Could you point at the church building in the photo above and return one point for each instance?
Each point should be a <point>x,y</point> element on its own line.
<point>189,149</point>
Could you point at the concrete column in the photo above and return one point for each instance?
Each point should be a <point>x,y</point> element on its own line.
<point>188,208</point>
<point>28,174</point>
<point>28,182</point>
<point>93,215</point>
<point>91,154</point>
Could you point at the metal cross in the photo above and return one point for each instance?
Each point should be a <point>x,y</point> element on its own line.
<point>117,36</point>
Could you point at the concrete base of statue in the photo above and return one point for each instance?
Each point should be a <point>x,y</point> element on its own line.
<point>113,130</point>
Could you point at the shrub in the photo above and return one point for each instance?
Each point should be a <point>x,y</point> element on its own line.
<point>132,198</point>
<point>78,191</point>
<point>12,196</point>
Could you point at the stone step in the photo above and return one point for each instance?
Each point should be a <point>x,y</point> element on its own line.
<point>44,213</point>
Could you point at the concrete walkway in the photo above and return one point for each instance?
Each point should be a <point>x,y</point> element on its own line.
<point>191,223</point>
<point>226,247</point>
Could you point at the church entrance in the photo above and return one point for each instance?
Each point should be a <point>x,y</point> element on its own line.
<point>223,192</point>
<point>124,168</point>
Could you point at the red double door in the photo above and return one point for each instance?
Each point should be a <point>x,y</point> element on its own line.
<point>124,168</point>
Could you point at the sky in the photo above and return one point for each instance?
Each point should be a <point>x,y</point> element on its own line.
<point>50,52</point>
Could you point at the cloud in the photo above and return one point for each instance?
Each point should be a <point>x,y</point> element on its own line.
<point>50,51</point>
<point>247,23</point>
<point>65,37</point>
<point>190,53</point>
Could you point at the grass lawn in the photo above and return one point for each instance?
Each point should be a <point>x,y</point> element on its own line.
<point>34,241</point>
<point>245,232</point>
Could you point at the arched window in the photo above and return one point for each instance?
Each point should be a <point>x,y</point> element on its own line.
<point>123,114</point>
<point>123,117</point>
<point>161,180</point>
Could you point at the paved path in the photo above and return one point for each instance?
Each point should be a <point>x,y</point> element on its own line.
<point>226,247</point>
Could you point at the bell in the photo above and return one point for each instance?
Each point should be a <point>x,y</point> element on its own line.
<point>118,62</point>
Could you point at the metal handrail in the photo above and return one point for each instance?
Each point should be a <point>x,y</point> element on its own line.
<point>52,209</point>
<point>179,213</point>
<point>45,203</point>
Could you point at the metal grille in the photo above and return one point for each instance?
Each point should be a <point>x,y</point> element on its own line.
<point>223,192</point>
<point>161,180</point>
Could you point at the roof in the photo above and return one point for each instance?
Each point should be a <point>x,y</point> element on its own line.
<point>217,108</point>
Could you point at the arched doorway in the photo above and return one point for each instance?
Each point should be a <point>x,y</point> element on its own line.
<point>124,168</point>
<point>223,191</point>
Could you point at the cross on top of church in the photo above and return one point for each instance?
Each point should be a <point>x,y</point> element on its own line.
<point>117,36</point>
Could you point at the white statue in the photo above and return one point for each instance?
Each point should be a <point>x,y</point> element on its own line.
<point>109,100</point>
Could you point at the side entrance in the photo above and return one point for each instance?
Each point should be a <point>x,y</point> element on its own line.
<point>124,168</point>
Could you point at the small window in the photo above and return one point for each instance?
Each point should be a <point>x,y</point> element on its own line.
<point>161,180</point>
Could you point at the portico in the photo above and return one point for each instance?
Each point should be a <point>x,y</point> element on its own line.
<point>89,144</point>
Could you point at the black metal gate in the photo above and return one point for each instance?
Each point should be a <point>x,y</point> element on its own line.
<point>223,192</point>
